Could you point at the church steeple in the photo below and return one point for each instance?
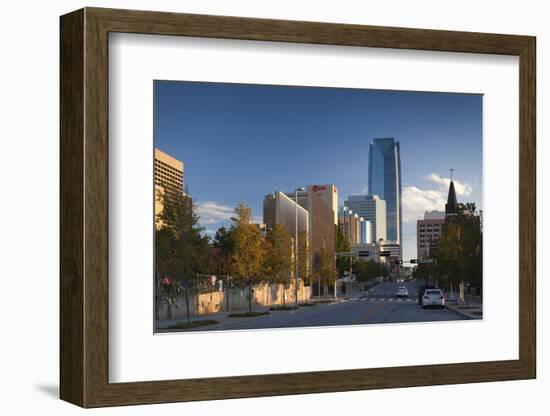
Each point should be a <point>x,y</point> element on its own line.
<point>451,207</point>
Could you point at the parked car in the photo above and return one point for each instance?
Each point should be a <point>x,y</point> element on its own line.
<point>421,291</point>
<point>402,291</point>
<point>433,297</point>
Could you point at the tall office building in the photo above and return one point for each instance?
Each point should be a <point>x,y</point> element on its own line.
<point>373,210</point>
<point>327,193</point>
<point>168,172</point>
<point>280,209</point>
<point>168,177</point>
<point>321,204</point>
<point>385,181</point>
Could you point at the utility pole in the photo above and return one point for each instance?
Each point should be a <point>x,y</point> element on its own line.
<point>296,245</point>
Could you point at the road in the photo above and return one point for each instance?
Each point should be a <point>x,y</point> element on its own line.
<point>379,305</point>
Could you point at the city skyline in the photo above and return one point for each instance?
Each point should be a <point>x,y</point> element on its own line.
<point>240,142</point>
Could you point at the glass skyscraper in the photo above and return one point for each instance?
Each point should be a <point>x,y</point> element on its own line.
<point>385,181</point>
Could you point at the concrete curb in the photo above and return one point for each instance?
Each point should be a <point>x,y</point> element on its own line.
<point>225,324</point>
<point>463,313</point>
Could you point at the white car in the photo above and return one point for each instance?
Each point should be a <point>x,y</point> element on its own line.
<point>402,291</point>
<point>433,297</point>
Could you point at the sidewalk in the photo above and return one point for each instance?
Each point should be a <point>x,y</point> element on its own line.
<point>474,310</point>
<point>223,319</point>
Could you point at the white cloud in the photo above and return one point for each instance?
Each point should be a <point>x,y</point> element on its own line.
<point>211,212</point>
<point>416,201</point>
<point>461,188</point>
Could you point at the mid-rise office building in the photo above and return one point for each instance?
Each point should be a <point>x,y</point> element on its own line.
<point>434,215</point>
<point>428,233</point>
<point>384,180</point>
<point>373,209</point>
<point>350,225</point>
<point>366,252</point>
<point>355,228</point>
<point>168,172</point>
<point>168,179</point>
<point>393,247</point>
<point>366,231</point>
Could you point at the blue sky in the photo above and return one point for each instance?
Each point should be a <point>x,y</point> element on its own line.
<point>239,142</point>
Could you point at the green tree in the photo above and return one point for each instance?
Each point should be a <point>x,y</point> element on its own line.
<point>181,250</point>
<point>341,245</point>
<point>247,257</point>
<point>425,271</point>
<point>369,270</point>
<point>278,264</point>
<point>304,254</point>
<point>459,251</point>
<point>361,270</point>
<point>222,249</point>
<point>325,267</point>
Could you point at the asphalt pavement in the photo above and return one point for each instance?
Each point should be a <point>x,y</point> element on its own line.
<point>378,305</point>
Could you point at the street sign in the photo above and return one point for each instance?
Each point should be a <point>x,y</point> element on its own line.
<point>425,261</point>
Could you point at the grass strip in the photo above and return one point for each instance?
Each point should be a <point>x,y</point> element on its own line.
<point>193,324</point>
<point>282,308</point>
<point>247,314</point>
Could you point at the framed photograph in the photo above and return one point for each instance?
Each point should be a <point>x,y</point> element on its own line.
<point>255,207</point>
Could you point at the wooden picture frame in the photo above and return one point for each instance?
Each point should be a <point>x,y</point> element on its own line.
<point>84,207</point>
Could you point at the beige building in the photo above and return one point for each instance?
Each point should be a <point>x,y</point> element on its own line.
<point>328,194</point>
<point>428,233</point>
<point>373,210</point>
<point>321,224</point>
<point>319,202</point>
<point>168,179</point>
<point>350,224</point>
<point>280,209</point>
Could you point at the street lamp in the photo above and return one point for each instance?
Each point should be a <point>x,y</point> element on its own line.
<point>296,245</point>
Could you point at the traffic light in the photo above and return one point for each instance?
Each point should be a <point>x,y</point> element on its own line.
<point>414,261</point>
<point>399,262</point>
